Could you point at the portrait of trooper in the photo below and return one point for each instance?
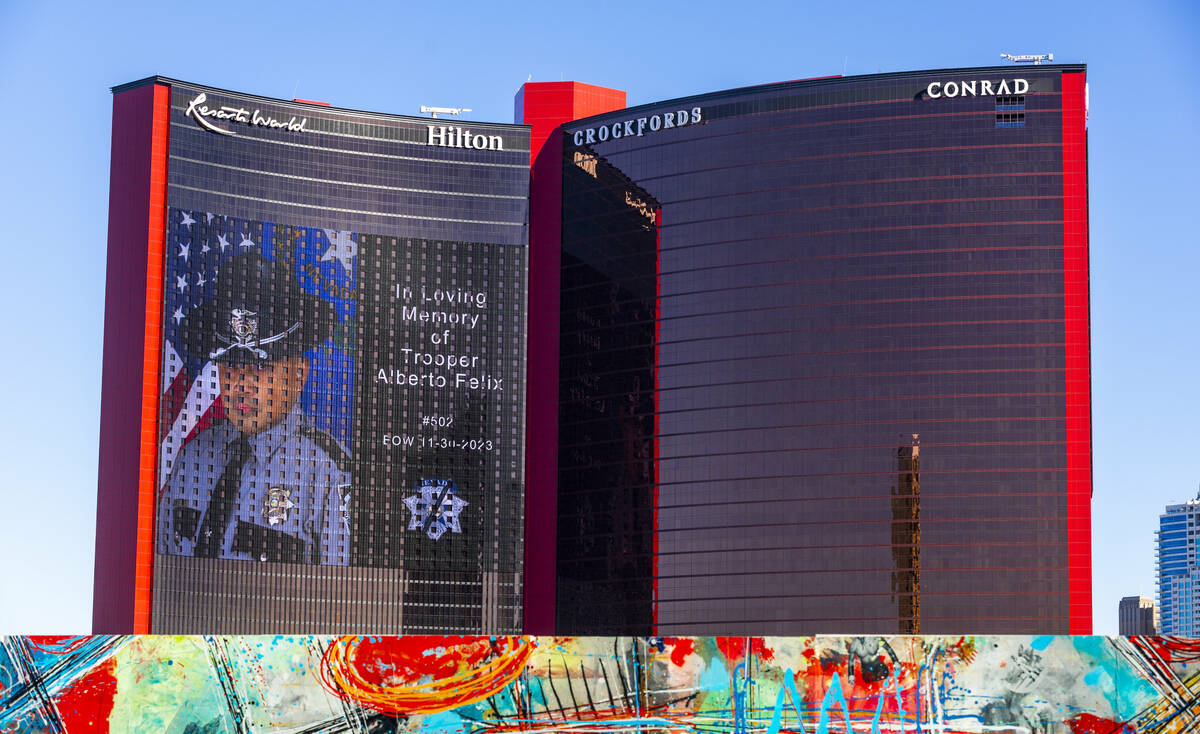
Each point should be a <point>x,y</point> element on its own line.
<point>262,483</point>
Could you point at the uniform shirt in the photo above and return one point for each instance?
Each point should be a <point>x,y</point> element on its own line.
<point>287,504</point>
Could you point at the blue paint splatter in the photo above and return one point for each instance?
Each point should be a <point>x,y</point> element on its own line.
<point>444,723</point>
<point>1042,642</point>
<point>714,677</point>
<point>1116,679</point>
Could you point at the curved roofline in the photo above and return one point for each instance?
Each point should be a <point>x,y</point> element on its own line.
<point>828,80</point>
<point>156,79</point>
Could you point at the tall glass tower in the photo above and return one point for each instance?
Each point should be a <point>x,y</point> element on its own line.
<point>1178,574</point>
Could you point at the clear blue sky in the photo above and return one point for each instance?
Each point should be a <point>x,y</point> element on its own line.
<point>57,61</point>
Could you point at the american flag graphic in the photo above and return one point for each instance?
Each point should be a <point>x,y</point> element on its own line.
<point>324,263</point>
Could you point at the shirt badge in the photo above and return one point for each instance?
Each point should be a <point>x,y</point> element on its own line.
<point>279,501</point>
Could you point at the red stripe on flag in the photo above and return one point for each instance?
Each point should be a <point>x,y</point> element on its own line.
<point>172,401</point>
<point>215,412</point>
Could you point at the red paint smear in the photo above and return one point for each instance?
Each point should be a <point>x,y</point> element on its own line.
<point>863,697</point>
<point>88,702</point>
<point>734,648</point>
<point>681,647</point>
<point>391,661</point>
<point>1092,724</point>
<point>1172,649</point>
<point>57,644</point>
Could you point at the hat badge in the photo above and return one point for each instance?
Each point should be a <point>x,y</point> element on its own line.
<point>244,326</point>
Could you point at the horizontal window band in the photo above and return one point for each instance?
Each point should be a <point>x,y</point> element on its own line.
<point>861,546</point>
<point>849,156</point>
<point>882,595</point>
<point>315,207</point>
<point>876,253</point>
<point>344,183</point>
<point>785,128</point>
<point>421,159</point>
<point>770,214</point>
<point>507,134</point>
<point>665,628</point>
<point>933,570</point>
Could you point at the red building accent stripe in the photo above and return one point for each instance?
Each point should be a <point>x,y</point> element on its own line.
<point>545,106</point>
<point>1078,354</point>
<point>151,359</point>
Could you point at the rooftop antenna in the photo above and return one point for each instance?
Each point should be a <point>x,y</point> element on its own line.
<point>1035,59</point>
<point>435,111</point>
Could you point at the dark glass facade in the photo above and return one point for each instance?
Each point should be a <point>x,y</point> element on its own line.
<point>339,337</point>
<point>824,364</point>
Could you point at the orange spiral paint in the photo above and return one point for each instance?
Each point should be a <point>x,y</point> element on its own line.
<point>345,674</point>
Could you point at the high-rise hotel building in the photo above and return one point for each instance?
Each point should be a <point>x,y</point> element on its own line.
<point>823,360</point>
<point>314,368</point>
<point>802,357</point>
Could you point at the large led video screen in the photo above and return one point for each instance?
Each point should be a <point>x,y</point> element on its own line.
<point>339,398</point>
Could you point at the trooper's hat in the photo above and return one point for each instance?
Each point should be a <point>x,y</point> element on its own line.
<point>259,314</point>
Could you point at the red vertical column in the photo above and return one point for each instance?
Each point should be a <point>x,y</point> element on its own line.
<point>1078,354</point>
<point>132,340</point>
<point>545,106</point>
<point>151,359</point>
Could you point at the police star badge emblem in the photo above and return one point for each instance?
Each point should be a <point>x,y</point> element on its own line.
<point>279,501</point>
<point>435,507</point>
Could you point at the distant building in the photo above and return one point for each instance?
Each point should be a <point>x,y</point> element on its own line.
<point>1178,576</point>
<point>1138,616</point>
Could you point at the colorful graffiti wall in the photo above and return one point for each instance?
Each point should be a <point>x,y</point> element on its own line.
<point>706,685</point>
